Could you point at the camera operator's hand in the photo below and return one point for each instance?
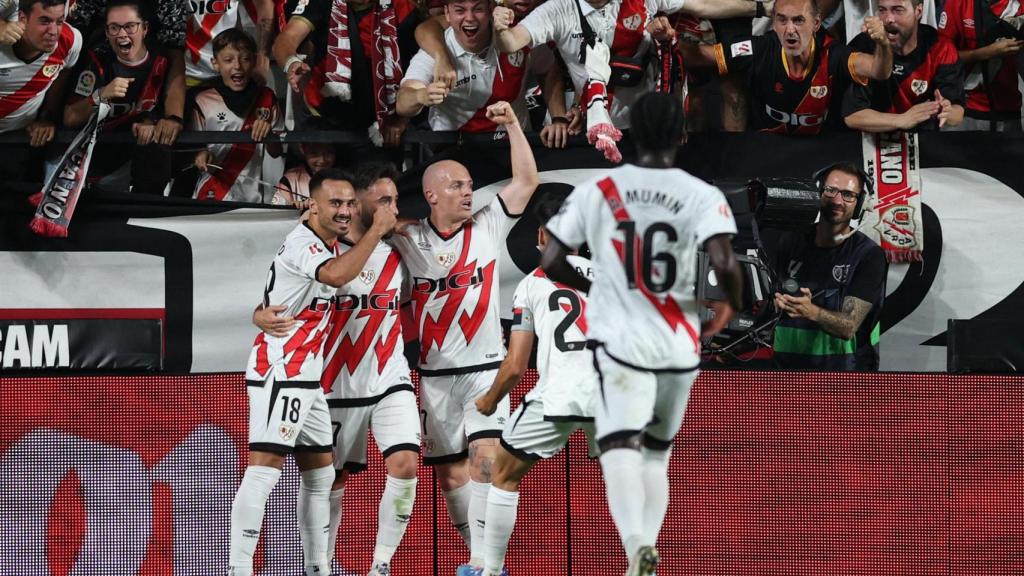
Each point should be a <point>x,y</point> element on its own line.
<point>797,306</point>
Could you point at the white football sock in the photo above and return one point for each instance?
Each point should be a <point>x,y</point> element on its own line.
<point>337,511</point>
<point>502,506</point>
<point>314,516</point>
<point>477,521</point>
<point>655,466</point>
<point>393,516</point>
<point>457,503</point>
<point>622,468</point>
<point>247,515</point>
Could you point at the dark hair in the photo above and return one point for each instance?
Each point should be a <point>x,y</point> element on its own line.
<point>317,181</point>
<point>236,38</point>
<point>366,174</point>
<point>138,5</point>
<point>657,121</point>
<point>26,5</point>
<point>549,205</point>
<point>815,7</point>
<point>846,167</point>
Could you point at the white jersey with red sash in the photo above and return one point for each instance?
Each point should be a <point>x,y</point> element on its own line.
<point>481,80</point>
<point>644,226</point>
<point>621,24</point>
<point>211,18</point>
<point>23,85</point>
<point>292,282</point>
<point>455,291</point>
<point>240,164</point>
<point>364,346</point>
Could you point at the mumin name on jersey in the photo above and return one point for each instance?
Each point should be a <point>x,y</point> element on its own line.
<point>47,347</point>
<point>653,197</point>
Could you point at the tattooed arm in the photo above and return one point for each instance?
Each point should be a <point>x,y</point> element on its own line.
<point>842,323</point>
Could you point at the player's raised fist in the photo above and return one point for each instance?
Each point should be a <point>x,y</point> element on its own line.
<point>503,18</point>
<point>384,219</point>
<point>501,114</point>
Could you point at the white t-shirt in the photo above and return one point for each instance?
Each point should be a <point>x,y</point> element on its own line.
<point>455,293</point>
<point>557,315</point>
<point>202,27</point>
<point>292,282</point>
<point>23,85</point>
<point>478,82</point>
<point>644,226</point>
<point>365,335</point>
<point>559,21</point>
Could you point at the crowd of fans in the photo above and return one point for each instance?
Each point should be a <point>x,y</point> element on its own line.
<point>379,68</point>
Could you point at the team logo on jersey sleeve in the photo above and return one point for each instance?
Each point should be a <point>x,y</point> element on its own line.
<point>86,83</point>
<point>517,58</point>
<point>632,22</point>
<point>918,86</point>
<point>50,70</point>
<point>367,276</point>
<point>819,91</point>
<point>744,48</point>
<point>446,259</point>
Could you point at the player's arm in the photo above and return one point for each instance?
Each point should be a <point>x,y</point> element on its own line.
<point>730,278</point>
<point>341,269</point>
<point>270,320</point>
<point>714,9</point>
<point>878,66</point>
<point>555,262</point>
<point>525,179</point>
<point>508,38</point>
<point>520,344</point>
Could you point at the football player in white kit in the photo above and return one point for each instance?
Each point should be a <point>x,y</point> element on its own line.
<point>452,257</point>
<point>560,403</point>
<point>644,224</point>
<point>287,409</point>
<point>366,376</point>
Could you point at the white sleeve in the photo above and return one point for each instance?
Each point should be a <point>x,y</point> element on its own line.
<point>713,215</point>
<point>668,6</point>
<point>569,225</point>
<point>421,68</point>
<point>76,48</point>
<point>522,312</point>
<point>547,22</point>
<point>306,255</point>
<point>9,10</point>
<point>497,219</point>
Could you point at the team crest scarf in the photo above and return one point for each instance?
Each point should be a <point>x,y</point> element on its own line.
<point>56,202</point>
<point>891,160</point>
<point>384,58</point>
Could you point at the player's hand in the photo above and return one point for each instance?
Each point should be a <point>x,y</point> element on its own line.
<point>269,320</point>
<point>555,135</point>
<point>875,29</point>
<point>661,30</point>
<point>117,88</point>
<point>444,72</point>
<point>501,114</point>
<point>143,132</point>
<point>40,133</point>
<point>402,226</point>
<point>944,106</point>
<point>432,94</point>
<point>166,131</point>
<point>797,306</point>
<point>297,73</point>
<point>384,220</point>
<point>485,405</point>
<point>202,160</point>
<point>10,32</point>
<point>502,19</point>
<point>722,314</point>
<point>260,129</point>
<point>918,113</point>
<point>1004,47</point>
<point>392,130</point>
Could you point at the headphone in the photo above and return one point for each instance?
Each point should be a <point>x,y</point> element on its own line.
<point>865,183</point>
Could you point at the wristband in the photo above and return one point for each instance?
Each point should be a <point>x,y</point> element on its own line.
<point>291,60</point>
<point>559,120</point>
<point>759,9</point>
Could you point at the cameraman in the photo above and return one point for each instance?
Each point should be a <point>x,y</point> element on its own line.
<point>835,279</point>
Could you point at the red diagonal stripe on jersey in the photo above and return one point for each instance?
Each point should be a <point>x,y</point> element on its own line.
<point>386,347</point>
<point>262,361</point>
<point>305,341</point>
<point>38,83</point>
<point>508,83</point>
<point>581,322</point>
<point>196,39</point>
<point>668,308</point>
<point>350,353</point>
<point>238,156</point>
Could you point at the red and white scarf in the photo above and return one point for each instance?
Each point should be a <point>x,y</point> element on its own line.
<point>894,221</point>
<point>384,57</point>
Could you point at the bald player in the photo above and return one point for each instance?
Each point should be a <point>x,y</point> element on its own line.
<point>288,413</point>
<point>452,256</point>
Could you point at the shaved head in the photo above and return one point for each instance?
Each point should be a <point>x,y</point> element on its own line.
<point>439,173</point>
<point>448,188</point>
